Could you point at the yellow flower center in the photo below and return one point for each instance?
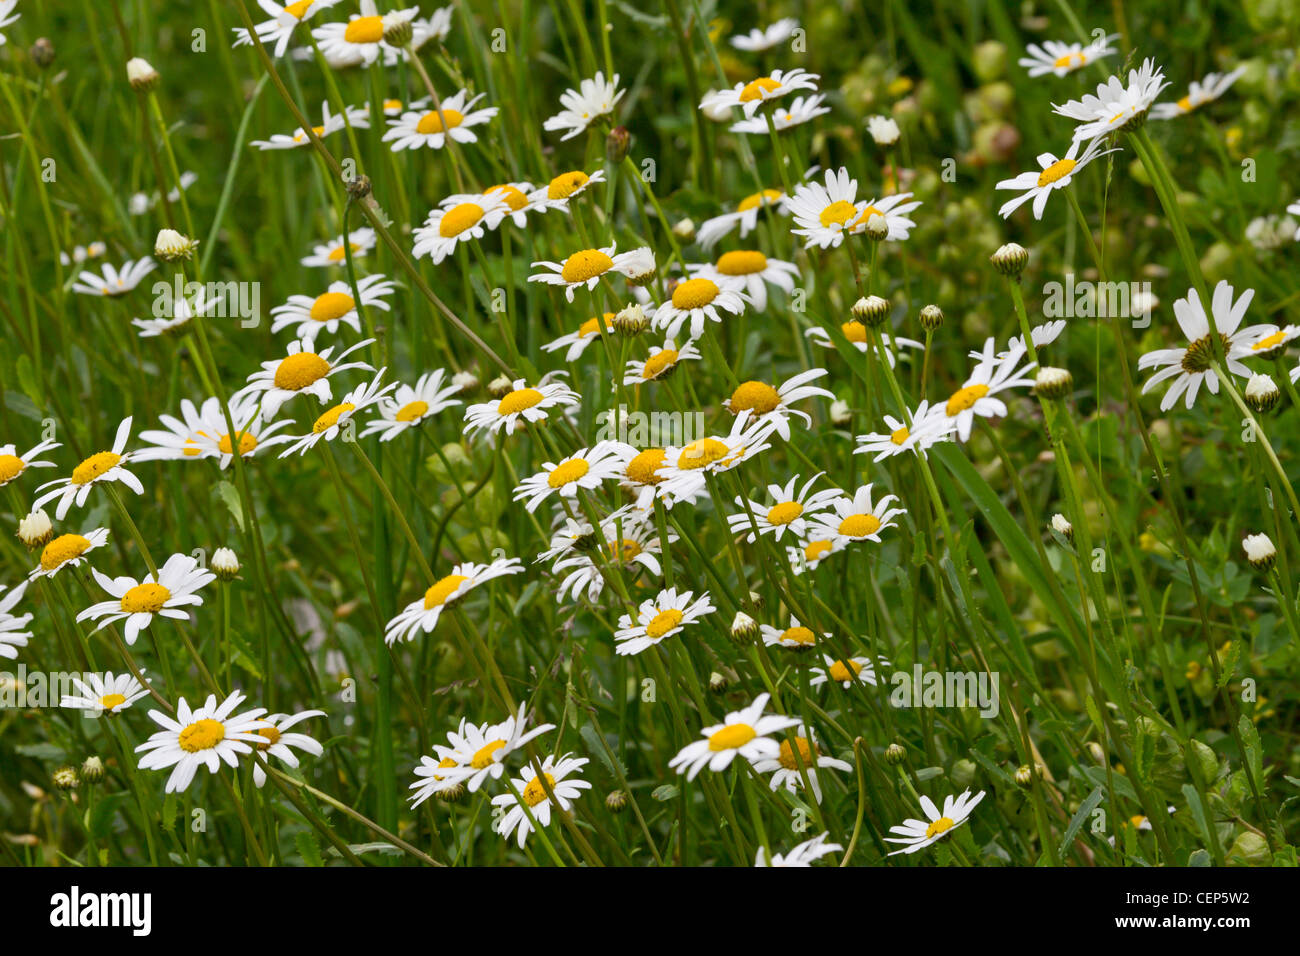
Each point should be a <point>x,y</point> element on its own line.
<point>437,595</point>
<point>859,526</point>
<point>759,396</point>
<point>483,757</point>
<point>459,218</point>
<point>702,452</point>
<point>535,793</point>
<point>942,825</point>
<point>644,466</point>
<point>837,213</point>
<point>784,513</point>
<point>443,764</point>
<point>965,398</point>
<point>1260,346</point>
<point>845,670</point>
<point>585,265</point>
<point>147,598</point>
<point>518,400</point>
<point>202,735</point>
<point>625,549</point>
<point>592,325</point>
<point>340,252</point>
<point>758,89</point>
<point>62,549</point>
<point>568,472</point>
<point>658,363</point>
<point>331,417</point>
<point>663,622</point>
<point>694,294</point>
<point>96,466</point>
<point>755,200</point>
<point>1058,170</point>
<point>247,442</point>
<point>515,199</point>
<point>732,737</point>
<point>298,10</point>
<point>11,466</point>
<point>331,305</point>
<point>741,263</point>
<point>807,753</point>
<point>566,184</point>
<point>1185,104</point>
<point>412,411</point>
<point>271,735</point>
<point>365,30</point>
<point>109,701</point>
<point>854,331</point>
<point>798,635</point>
<point>1068,61</point>
<point>300,370</point>
<point>816,550</point>
<point>900,435</point>
<point>435,122</point>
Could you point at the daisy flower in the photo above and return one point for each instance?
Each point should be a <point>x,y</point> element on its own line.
<point>409,407</point>
<point>430,776</point>
<point>1061,59</point>
<point>521,406</point>
<point>682,472</point>
<point>1116,106</point>
<point>423,613</point>
<point>801,856</point>
<point>642,479</point>
<point>206,735</point>
<point>859,518</point>
<point>844,672</point>
<point>583,268</point>
<point>301,372</point>
<point>13,465</point>
<point>564,187</point>
<point>361,39</point>
<point>6,8</point>
<point>104,694</point>
<point>696,301</point>
<point>437,26</point>
<point>175,586</point>
<point>355,116</point>
<point>825,214</point>
<point>658,618</point>
<point>479,752</point>
<point>745,216</point>
<point>531,791</point>
<point>279,29</point>
<point>517,196</point>
<point>334,253</point>
<point>10,637</point>
<point>585,468</point>
<point>629,542</point>
<point>859,338</point>
<point>277,742</point>
<point>1041,335</point>
<point>81,253</point>
<point>748,271</point>
<point>593,99</point>
<point>1055,174</point>
<point>203,433</point>
<point>977,396</point>
<point>661,363</point>
<point>114,281</point>
<point>918,834</point>
<point>923,429</point>
<point>810,554</point>
<point>311,315</point>
<point>1207,90</point>
<point>1270,342</point>
<point>750,96</point>
<point>67,551</point>
<point>756,40</point>
<point>183,311</point>
<point>801,110</point>
<point>338,419</point>
<point>796,637</point>
<point>1190,366</point>
<point>100,468</point>
<point>789,766</point>
<point>447,226</point>
<point>790,513</point>
<point>743,733</point>
<point>451,119</point>
<point>577,342</point>
<point>773,406</point>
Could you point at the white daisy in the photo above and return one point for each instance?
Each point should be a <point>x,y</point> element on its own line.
<point>858,518</point>
<point>447,226</point>
<point>357,117</point>
<point>311,315</point>
<point>1056,174</point>
<point>521,406</point>
<point>10,637</point>
<point>631,542</point>
<point>577,342</point>
<point>81,253</point>
<point>339,419</point>
<point>279,29</point>
<point>430,776</point>
<point>658,618</point>
<point>810,554</point>
<point>743,733</point>
<point>182,311</point>
<point>100,468</point>
<point>1207,90</point>
<point>990,376</point>
<point>334,253</point>
<point>1269,342</point>
<point>533,794</point>
<point>174,587</point>
<point>14,465</point>
<point>858,336</point>
<point>748,271</point>
<point>802,855</point>
<point>681,474</point>
<point>207,735</point>
<point>756,40</point>
<point>845,671</point>
<point>923,429</point>
<point>789,514</point>
<point>277,742</point>
<point>745,216</point>
<point>410,407</point>
<point>104,693</point>
<point>203,433</point>
<point>1061,59</point>
<point>799,111</point>
<point>1041,335</point>
<point>452,118</point>
<point>661,363</point>
<point>696,301</point>
<point>825,214</point>
<point>6,8</point>
<point>789,766</point>
<point>583,268</point>
<point>559,191</point>
<point>67,551</point>
<point>586,468</point>
<point>479,752</point>
<point>517,196</point>
<point>796,637</point>
<point>361,39</point>
<point>114,281</point>
<point>918,834</point>
<point>581,107</point>
<point>422,614</point>
<point>772,406</point>
<point>750,96</point>
<point>1115,106</point>
<point>301,372</point>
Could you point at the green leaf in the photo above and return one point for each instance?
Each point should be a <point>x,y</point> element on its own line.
<point>598,747</point>
<point>1198,813</point>
<point>1089,804</point>
<point>100,819</point>
<point>1228,665</point>
<point>309,849</point>
<point>230,497</point>
<point>1254,750</point>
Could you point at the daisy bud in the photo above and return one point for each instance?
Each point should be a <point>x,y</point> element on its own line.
<point>719,114</point>
<point>931,318</point>
<point>225,564</point>
<point>895,754</point>
<point>1259,551</point>
<point>42,52</point>
<point>841,414</point>
<point>717,683</point>
<point>1053,383</point>
<point>617,143</point>
<point>684,230</point>
<point>639,266</point>
<point>398,33</point>
<point>35,530</point>
<point>1061,525</point>
<point>92,770</point>
<point>756,600</point>
<point>1025,775</point>
<point>453,794</point>
<point>871,310</point>
<point>501,386</point>
<point>358,187</point>
<point>65,778</point>
<point>1262,394</point>
<point>743,627</point>
<point>883,130</point>
<point>171,245</point>
<point>631,321</point>
<point>1010,259</point>
<point>465,381</point>
<point>877,227</point>
<point>142,76</point>
<point>1095,751</point>
<point>616,801</point>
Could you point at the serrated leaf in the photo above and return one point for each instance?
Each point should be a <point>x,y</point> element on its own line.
<point>598,747</point>
<point>666,792</point>
<point>308,849</point>
<point>229,496</point>
<point>1254,754</point>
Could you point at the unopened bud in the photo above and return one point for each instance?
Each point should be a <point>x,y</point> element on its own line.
<point>398,33</point>
<point>617,143</point>
<point>225,564</point>
<point>92,770</point>
<point>877,228</point>
<point>1061,525</point>
<point>871,310</point>
<point>743,627</point>
<point>141,75</point>
<point>42,52</point>
<point>465,381</point>
<point>616,801</point>
<point>1053,383</point>
<point>931,318</point>
<point>895,754</point>
<point>841,414</point>
<point>718,683</point>
<point>684,230</point>
<point>65,778</point>
<point>1010,259</point>
<point>1262,394</point>
<point>1259,551</point>
<point>501,386</point>
<point>35,530</point>
<point>631,321</point>
<point>171,246</point>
